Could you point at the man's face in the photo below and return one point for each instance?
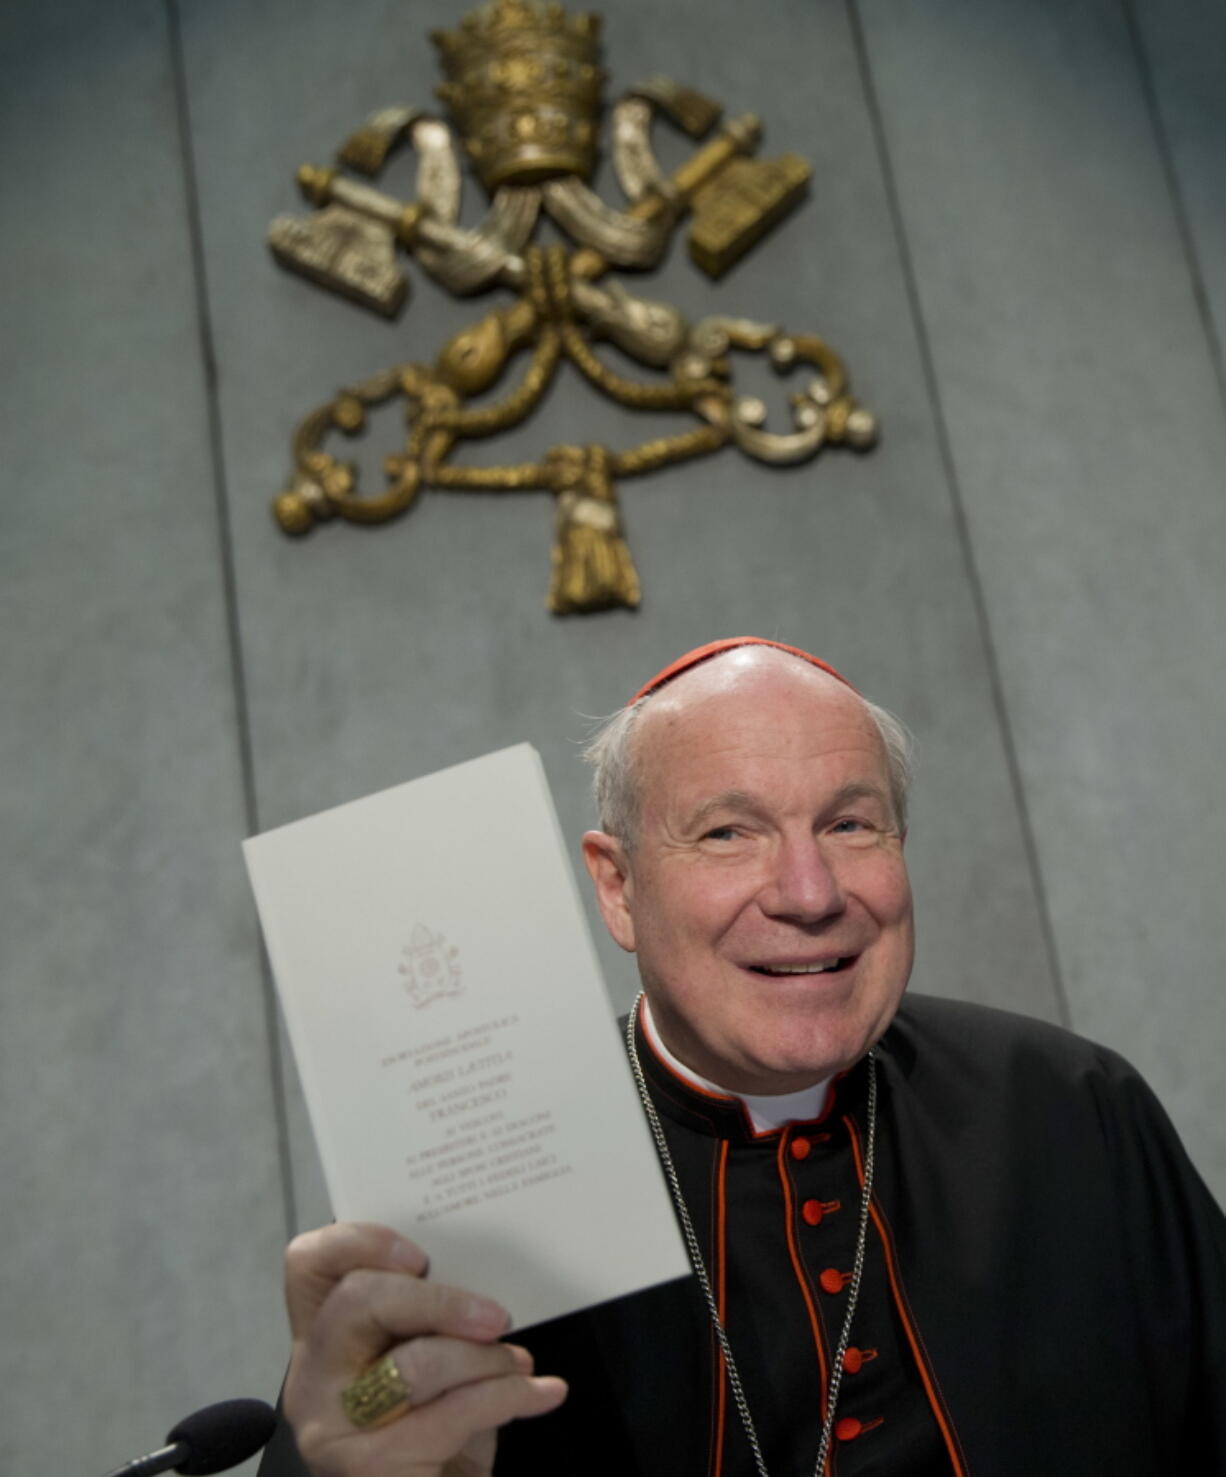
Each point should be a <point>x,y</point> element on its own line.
<point>766,896</point>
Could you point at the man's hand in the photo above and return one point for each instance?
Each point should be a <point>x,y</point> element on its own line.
<point>358,1292</point>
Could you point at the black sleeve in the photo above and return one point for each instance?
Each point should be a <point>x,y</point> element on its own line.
<point>281,1457</point>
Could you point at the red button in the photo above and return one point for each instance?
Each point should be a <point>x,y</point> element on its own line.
<point>832,1280</point>
<point>848,1428</point>
<point>800,1148</point>
<point>812,1212</point>
<point>853,1361</point>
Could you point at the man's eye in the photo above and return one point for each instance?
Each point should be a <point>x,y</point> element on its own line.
<point>849,825</point>
<point>720,833</point>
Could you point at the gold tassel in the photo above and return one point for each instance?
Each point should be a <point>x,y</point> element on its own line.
<point>591,564</point>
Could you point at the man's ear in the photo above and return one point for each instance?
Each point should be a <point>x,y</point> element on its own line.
<point>609,868</point>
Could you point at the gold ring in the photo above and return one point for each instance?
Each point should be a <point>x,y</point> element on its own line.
<point>378,1395</point>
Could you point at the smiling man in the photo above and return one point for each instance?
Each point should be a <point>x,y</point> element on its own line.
<point>758,874</point>
<point>928,1238</point>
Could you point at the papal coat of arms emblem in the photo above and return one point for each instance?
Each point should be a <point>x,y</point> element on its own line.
<point>429,967</point>
<point>524,96</point>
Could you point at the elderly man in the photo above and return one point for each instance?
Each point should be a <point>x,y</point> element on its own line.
<point>927,1237</point>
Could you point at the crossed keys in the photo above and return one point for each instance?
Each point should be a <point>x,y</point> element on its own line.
<point>533,157</point>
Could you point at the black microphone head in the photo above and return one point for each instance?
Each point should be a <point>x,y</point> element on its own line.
<point>222,1435</point>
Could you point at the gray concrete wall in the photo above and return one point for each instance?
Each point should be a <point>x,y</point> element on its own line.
<point>1016,234</point>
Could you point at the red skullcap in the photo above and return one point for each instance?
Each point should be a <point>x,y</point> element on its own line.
<point>714,648</point>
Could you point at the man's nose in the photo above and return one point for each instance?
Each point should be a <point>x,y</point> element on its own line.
<point>802,886</point>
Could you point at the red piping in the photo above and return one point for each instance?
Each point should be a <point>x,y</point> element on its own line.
<point>952,1444</point>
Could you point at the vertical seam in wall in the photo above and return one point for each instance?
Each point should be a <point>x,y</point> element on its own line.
<point>226,559</point>
<point>1149,90</point>
<point>959,511</point>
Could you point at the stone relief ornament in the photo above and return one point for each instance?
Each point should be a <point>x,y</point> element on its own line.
<point>523,91</point>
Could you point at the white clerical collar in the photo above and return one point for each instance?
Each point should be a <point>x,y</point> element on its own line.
<point>766,1111</point>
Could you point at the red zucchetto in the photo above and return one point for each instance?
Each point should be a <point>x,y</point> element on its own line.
<point>714,648</point>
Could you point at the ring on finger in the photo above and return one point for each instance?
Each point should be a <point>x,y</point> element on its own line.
<point>378,1395</point>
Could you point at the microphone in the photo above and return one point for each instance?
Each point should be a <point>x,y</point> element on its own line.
<point>211,1440</point>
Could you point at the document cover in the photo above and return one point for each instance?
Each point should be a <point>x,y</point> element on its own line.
<point>463,1074</point>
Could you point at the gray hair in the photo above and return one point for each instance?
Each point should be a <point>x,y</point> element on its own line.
<point>616,780</point>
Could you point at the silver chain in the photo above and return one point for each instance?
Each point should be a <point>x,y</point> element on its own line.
<point>700,1270</point>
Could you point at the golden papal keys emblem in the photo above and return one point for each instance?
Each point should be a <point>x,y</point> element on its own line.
<point>523,90</point>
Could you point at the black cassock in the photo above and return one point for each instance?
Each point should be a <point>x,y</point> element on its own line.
<point>1044,1290</point>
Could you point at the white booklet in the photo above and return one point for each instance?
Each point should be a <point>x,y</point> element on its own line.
<point>463,1073</point>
